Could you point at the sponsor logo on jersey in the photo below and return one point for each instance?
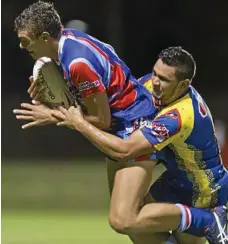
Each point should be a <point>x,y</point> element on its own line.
<point>87,85</point>
<point>140,122</point>
<point>160,131</point>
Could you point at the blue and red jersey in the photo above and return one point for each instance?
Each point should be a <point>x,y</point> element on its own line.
<point>92,67</point>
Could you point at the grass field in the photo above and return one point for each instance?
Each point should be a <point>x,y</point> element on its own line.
<point>58,228</point>
<point>56,203</point>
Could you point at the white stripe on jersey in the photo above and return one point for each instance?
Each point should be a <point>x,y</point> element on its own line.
<point>105,64</point>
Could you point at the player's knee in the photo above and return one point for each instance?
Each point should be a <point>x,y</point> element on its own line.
<point>120,224</point>
<point>116,224</point>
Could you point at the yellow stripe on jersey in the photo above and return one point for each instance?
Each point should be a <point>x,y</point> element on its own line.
<point>185,109</point>
<point>188,158</point>
<point>148,85</point>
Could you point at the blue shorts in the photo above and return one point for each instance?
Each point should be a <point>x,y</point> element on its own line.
<point>164,191</point>
<point>124,130</point>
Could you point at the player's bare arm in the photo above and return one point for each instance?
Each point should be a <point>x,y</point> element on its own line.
<point>98,110</point>
<point>111,145</point>
<point>93,93</point>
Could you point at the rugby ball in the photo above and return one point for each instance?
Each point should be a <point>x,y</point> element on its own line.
<point>55,90</point>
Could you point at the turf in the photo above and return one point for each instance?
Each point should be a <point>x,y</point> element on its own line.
<point>48,202</point>
<point>57,228</point>
<point>57,203</point>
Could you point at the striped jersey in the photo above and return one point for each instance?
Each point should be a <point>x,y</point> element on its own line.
<point>91,66</point>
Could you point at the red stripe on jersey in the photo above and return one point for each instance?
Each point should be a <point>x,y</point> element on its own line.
<point>142,158</point>
<point>125,98</point>
<point>85,79</point>
<point>96,47</point>
<point>92,91</point>
<point>117,80</point>
<point>175,111</point>
<point>68,34</point>
<point>80,72</point>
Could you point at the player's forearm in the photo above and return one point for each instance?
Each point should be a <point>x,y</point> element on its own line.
<point>111,145</point>
<point>100,123</point>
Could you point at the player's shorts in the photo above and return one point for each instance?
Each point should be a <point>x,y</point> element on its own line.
<point>124,130</point>
<point>163,190</point>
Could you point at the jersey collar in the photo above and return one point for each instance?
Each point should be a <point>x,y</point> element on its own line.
<point>159,106</point>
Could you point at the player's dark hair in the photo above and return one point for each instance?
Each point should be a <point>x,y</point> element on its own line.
<point>180,59</point>
<point>39,17</point>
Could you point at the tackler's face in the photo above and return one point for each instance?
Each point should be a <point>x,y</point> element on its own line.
<point>166,87</point>
<point>37,47</point>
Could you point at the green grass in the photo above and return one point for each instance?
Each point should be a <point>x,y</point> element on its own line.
<point>57,228</point>
<point>56,203</point>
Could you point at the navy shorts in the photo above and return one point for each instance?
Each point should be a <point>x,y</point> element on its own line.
<point>164,191</point>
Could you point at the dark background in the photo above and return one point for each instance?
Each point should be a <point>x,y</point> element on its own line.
<point>54,183</point>
<point>138,30</point>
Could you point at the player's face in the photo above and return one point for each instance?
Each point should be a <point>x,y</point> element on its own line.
<point>37,47</point>
<point>166,86</point>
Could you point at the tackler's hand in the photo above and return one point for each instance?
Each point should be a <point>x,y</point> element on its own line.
<point>38,115</point>
<point>71,117</point>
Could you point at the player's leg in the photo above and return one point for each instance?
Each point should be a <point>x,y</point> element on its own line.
<point>181,238</point>
<point>144,238</point>
<point>127,217</point>
<point>112,168</point>
<point>131,185</point>
<point>195,221</point>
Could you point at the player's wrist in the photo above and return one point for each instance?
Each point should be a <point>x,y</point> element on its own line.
<point>80,125</point>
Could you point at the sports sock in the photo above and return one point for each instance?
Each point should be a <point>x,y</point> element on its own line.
<point>194,221</point>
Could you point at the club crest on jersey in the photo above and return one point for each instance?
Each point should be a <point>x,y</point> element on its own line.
<point>87,85</point>
<point>160,131</point>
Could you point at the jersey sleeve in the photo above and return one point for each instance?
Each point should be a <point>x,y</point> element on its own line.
<point>85,65</point>
<point>85,77</point>
<point>145,78</point>
<point>146,82</point>
<point>164,129</point>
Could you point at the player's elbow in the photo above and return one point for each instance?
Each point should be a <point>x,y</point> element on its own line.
<point>98,121</point>
<point>124,157</point>
<point>124,154</point>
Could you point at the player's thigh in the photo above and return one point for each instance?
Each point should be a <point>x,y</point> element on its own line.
<point>131,184</point>
<point>183,238</point>
<point>112,168</point>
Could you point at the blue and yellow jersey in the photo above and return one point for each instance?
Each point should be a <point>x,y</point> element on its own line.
<point>184,132</point>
